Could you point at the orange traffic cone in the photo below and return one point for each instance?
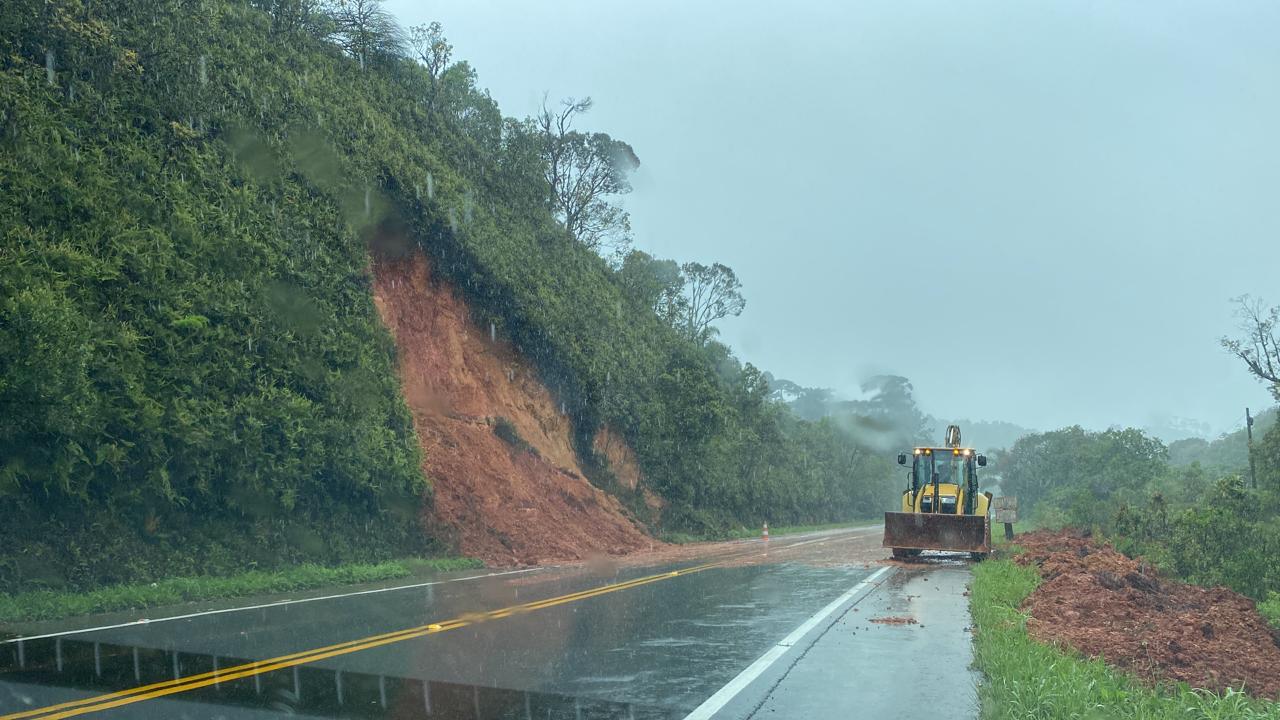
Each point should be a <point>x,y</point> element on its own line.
<point>765,536</point>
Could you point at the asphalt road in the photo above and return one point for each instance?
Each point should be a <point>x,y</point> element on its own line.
<point>661,637</point>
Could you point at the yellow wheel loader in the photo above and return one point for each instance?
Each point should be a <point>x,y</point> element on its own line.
<point>941,507</point>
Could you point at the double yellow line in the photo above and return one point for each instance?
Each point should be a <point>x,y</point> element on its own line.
<point>99,703</point>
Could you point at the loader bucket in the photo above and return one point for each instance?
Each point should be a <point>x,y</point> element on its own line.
<point>936,531</point>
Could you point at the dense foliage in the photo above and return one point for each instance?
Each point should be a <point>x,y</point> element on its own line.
<point>1080,475</point>
<point>192,372</point>
<point>1208,526</point>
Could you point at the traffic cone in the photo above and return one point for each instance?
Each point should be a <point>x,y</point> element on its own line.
<point>765,536</point>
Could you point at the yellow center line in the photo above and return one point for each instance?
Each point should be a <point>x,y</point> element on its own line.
<point>170,687</point>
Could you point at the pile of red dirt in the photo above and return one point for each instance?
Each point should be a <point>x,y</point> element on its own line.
<point>521,502</point>
<point>1108,605</point>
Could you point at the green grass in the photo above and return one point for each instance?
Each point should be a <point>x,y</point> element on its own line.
<point>746,533</point>
<point>52,605</point>
<point>1027,679</point>
<point>1270,609</point>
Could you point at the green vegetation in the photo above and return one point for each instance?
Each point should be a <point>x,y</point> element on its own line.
<point>1209,529</point>
<point>193,375</point>
<point>1270,609</point>
<point>1228,453</point>
<point>1026,679</point>
<point>49,605</point>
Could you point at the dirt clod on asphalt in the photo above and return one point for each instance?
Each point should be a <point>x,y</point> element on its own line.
<point>1108,605</point>
<point>895,621</point>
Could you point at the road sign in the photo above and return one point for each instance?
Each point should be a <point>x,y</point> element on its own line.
<point>1006,509</point>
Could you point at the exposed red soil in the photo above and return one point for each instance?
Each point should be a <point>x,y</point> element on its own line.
<point>1108,605</point>
<point>500,503</point>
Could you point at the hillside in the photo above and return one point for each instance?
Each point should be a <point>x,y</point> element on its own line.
<point>196,376</point>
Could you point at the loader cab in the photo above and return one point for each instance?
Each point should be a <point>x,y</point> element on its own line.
<point>943,480</point>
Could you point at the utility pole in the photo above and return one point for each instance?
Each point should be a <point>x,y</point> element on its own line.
<point>1248,426</point>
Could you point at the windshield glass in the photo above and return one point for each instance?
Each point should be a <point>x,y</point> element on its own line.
<point>949,467</point>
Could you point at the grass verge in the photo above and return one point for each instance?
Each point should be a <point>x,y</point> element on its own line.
<point>52,605</point>
<point>1027,679</point>
<point>746,533</point>
<point>1270,609</point>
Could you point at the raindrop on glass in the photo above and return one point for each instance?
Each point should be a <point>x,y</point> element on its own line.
<point>493,333</point>
<point>48,66</point>
<point>431,186</point>
<point>366,202</point>
<point>204,69</point>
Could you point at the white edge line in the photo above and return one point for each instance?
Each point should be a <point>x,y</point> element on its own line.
<point>148,621</point>
<point>716,702</point>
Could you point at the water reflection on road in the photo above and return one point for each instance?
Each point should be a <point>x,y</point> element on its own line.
<point>653,650</point>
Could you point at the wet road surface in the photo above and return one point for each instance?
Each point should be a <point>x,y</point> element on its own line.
<point>901,651</point>
<point>599,640</point>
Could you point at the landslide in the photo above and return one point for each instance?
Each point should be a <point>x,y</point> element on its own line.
<point>1105,604</point>
<point>516,500</point>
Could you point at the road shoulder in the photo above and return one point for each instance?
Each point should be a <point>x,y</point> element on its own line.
<point>906,636</point>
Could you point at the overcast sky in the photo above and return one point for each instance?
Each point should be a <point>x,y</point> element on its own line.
<point>1038,212</point>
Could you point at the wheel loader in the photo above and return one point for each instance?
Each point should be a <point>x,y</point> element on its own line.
<point>942,508</point>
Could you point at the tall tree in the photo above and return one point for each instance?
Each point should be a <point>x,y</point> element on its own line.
<point>365,30</point>
<point>432,49</point>
<point>584,171</point>
<point>471,107</point>
<point>653,283</point>
<point>711,293</point>
<point>293,15</point>
<point>1260,346</point>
